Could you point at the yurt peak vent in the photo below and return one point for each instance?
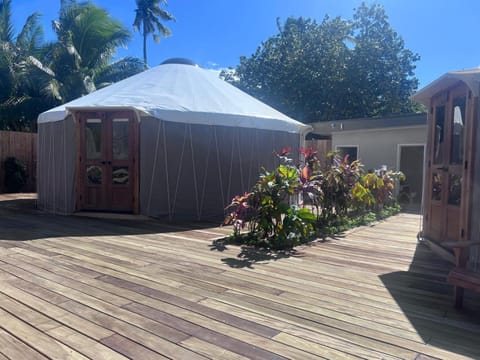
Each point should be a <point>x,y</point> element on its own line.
<point>181,61</point>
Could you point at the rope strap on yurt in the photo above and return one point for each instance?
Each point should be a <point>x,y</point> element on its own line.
<point>218,163</point>
<point>179,170</point>
<point>194,172</point>
<point>166,171</point>
<point>154,168</point>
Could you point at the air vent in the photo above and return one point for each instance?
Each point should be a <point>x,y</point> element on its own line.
<point>182,61</point>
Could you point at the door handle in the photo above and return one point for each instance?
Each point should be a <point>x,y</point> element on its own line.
<point>106,162</point>
<point>443,168</point>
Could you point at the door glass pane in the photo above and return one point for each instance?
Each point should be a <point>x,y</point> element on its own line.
<point>94,175</point>
<point>438,141</point>
<point>454,189</point>
<point>437,186</point>
<point>120,139</point>
<point>458,126</point>
<point>120,175</point>
<point>93,138</point>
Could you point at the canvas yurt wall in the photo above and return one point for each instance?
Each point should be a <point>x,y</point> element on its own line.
<point>195,170</point>
<point>56,166</point>
<point>197,142</point>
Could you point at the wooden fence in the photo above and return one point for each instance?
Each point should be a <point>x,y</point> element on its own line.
<point>23,146</point>
<point>323,147</point>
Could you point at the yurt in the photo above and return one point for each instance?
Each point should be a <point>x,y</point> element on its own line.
<point>173,142</point>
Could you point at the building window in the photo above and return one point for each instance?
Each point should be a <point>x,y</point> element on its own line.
<point>351,151</point>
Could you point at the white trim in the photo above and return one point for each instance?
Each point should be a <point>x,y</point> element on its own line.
<point>410,127</point>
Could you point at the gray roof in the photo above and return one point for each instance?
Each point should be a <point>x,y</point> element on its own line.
<point>470,77</point>
<point>393,121</point>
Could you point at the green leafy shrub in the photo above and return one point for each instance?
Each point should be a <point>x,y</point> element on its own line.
<point>267,212</point>
<point>339,179</point>
<point>326,199</point>
<point>15,174</point>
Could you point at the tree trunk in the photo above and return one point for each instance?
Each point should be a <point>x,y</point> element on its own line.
<point>144,47</point>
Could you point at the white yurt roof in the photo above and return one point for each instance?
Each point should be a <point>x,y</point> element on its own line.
<point>469,77</point>
<point>180,92</point>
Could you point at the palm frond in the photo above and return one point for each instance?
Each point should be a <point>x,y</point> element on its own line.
<point>162,29</point>
<point>6,24</point>
<point>162,14</point>
<point>148,19</point>
<point>30,38</point>
<point>118,70</point>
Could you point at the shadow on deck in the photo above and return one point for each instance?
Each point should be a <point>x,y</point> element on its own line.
<point>35,224</point>
<point>427,300</point>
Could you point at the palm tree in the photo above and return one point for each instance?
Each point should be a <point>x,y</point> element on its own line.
<point>148,16</point>
<point>35,76</point>
<point>81,59</point>
<point>21,99</point>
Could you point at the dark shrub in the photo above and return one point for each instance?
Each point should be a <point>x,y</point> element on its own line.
<point>15,174</point>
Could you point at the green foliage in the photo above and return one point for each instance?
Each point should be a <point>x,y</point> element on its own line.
<point>15,174</point>
<point>21,98</point>
<point>148,20</point>
<point>333,69</point>
<point>80,60</point>
<point>271,220</point>
<point>380,70</point>
<point>35,76</point>
<point>341,194</point>
<point>340,177</point>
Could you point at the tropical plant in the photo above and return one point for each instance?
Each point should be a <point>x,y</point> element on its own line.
<point>148,20</point>
<point>272,220</point>
<point>81,59</point>
<point>277,212</point>
<point>340,177</point>
<point>21,98</point>
<point>35,76</point>
<point>312,179</point>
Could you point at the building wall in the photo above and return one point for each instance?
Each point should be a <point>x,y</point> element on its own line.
<point>378,147</point>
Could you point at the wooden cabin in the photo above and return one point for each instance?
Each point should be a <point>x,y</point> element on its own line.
<point>452,165</point>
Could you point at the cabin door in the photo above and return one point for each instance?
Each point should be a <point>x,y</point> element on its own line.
<point>107,163</point>
<point>447,166</point>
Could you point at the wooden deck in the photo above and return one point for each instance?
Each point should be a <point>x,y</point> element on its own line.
<point>74,287</point>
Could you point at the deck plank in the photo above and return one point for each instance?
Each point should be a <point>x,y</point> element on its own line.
<point>80,287</point>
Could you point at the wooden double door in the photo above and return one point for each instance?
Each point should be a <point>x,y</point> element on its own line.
<point>447,200</point>
<point>107,161</point>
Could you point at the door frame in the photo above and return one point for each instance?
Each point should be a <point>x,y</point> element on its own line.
<point>80,185</point>
<point>399,158</point>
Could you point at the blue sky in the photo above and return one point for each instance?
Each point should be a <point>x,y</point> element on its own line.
<point>215,33</point>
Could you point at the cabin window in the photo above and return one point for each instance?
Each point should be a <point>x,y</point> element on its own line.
<point>437,186</point>
<point>351,151</point>
<point>93,138</point>
<point>454,190</point>
<point>458,130</point>
<point>438,142</point>
<point>120,143</point>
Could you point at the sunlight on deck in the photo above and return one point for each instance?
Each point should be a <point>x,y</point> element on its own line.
<point>75,287</point>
